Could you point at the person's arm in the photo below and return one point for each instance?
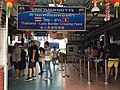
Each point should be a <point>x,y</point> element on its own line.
<point>33,56</point>
<point>17,55</point>
<point>48,54</point>
<point>101,54</point>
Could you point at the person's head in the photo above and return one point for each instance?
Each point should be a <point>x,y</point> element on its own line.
<point>115,40</point>
<point>46,44</point>
<point>99,46</point>
<point>16,45</point>
<point>22,48</point>
<point>32,43</point>
<point>54,48</point>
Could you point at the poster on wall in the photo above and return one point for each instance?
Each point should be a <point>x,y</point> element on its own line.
<point>43,18</point>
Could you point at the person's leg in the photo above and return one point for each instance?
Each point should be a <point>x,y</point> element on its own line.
<point>110,64</point>
<point>22,71</point>
<point>53,61</point>
<point>49,68</point>
<point>34,70</point>
<point>30,72</point>
<point>116,73</point>
<point>16,70</point>
<point>17,73</point>
<point>108,72</point>
<point>30,66</point>
<point>46,67</point>
<point>40,64</point>
<point>116,69</point>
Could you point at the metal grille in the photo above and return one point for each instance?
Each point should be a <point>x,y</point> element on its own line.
<point>3,43</point>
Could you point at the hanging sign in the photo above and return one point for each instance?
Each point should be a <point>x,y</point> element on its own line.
<point>51,18</point>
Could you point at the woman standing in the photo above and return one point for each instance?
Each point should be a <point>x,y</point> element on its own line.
<point>47,58</point>
<point>23,61</point>
<point>41,53</point>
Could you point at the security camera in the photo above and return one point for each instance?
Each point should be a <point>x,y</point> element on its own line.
<point>95,11</point>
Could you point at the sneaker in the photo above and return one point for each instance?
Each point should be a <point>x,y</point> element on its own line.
<point>28,79</point>
<point>34,77</point>
<point>50,77</point>
<point>40,73</point>
<point>16,78</point>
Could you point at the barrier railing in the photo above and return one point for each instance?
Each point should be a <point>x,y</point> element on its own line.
<point>86,60</point>
<point>96,67</point>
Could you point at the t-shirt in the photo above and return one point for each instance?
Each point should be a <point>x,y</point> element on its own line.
<point>94,53</point>
<point>34,47</point>
<point>113,50</point>
<point>16,51</point>
<point>47,50</point>
<point>41,53</point>
<point>101,50</point>
<point>54,52</point>
<point>23,55</point>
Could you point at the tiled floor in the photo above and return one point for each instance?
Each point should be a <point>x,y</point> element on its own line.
<point>74,82</point>
<point>38,84</point>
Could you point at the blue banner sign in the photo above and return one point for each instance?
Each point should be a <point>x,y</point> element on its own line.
<point>51,18</point>
<point>54,44</point>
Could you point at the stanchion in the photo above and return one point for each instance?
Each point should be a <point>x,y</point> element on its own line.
<point>84,63</point>
<point>96,68</point>
<point>80,67</point>
<point>75,63</point>
<point>66,70</point>
<point>89,77</point>
<point>106,75</point>
<point>61,59</point>
<point>72,61</point>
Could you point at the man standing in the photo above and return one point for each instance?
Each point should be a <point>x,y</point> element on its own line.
<point>47,58</point>
<point>16,59</point>
<point>33,56</point>
<point>113,55</point>
<point>101,56</point>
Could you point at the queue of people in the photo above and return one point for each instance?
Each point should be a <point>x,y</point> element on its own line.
<point>35,54</point>
<point>110,52</point>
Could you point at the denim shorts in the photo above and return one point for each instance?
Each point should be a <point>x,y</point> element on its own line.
<point>31,64</point>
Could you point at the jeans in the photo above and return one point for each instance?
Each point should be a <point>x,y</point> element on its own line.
<point>54,61</point>
<point>48,68</point>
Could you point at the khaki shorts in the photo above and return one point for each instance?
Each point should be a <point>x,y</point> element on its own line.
<point>111,63</point>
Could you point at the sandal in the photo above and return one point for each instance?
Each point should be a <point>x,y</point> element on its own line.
<point>44,79</point>
<point>16,78</point>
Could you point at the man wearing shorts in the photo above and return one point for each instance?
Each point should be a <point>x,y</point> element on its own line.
<point>33,56</point>
<point>16,59</point>
<point>113,52</point>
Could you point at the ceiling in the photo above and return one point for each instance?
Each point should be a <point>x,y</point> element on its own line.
<point>92,22</point>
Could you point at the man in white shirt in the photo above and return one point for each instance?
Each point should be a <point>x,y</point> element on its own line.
<point>16,57</point>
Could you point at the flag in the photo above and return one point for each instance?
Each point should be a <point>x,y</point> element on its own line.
<point>65,20</point>
<point>38,19</point>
